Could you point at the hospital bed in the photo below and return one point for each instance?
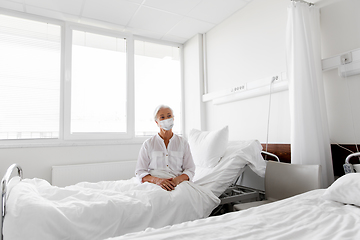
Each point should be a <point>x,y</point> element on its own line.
<point>332,213</point>
<point>34,209</point>
<point>317,214</point>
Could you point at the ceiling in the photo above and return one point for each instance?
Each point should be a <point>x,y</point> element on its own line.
<point>169,20</point>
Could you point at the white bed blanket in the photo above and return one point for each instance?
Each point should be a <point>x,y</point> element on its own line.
<point>37,210</point>
<point>238,154</point>
<point>305,216</point>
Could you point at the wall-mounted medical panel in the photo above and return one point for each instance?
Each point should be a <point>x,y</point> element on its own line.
<point>348,63</point>
<point>275,83</point>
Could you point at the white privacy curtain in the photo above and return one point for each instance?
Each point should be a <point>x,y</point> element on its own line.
<point>310,141</point>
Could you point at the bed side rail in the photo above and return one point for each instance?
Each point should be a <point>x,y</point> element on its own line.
<point>348,167</point>
<point>271,154</point>
<point>262,152</point>
<point>4,183</point>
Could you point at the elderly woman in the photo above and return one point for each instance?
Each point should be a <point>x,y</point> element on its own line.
<point>165,159</point>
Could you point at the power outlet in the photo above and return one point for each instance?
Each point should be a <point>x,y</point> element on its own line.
<point>275,79</point>
<point>346,58</point>
<point>238,88</point>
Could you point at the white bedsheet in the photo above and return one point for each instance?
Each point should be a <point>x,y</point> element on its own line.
<point>37,210</point>
<point>305,216</point>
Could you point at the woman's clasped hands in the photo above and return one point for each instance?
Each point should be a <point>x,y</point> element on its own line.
<point>166,184</point>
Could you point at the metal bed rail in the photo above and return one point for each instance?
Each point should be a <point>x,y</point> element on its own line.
<point>348,167</point>
<point>237,194</point>
<point>271,154</point>
<point>240,194</point>
<point>262,152</point>
<point>4,184</point>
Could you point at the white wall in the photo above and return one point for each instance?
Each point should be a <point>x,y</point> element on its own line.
<point>250,45</point>
<point>340,24</point>
<point>37,161</point>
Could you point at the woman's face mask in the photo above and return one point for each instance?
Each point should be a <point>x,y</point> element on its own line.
<point>167,124</point>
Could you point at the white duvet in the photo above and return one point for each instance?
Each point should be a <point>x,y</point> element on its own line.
<point>307,216</point>
<point>37,210</point>
<point>237,155</point>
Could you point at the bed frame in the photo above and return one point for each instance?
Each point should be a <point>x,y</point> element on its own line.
<point>350,168</point>
<point>4,183</point>
<point>240,194</point>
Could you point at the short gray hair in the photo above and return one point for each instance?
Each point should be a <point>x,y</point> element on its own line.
<point>157,109</point>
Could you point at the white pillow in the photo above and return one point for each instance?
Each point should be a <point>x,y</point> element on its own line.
<point>345,189</point>
<point>207,147</point>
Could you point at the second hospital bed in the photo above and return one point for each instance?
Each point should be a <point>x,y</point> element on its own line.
<point>332,213</point>
<point>37,210</point>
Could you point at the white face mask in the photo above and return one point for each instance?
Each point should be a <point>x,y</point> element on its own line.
<point>167,124</point>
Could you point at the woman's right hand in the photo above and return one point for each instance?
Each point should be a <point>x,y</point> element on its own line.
<point>164,183</point>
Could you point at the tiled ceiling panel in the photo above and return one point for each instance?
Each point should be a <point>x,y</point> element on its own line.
<point>170,20</point>
<point>188,27</point>
<point>181,7</point>
<point>12,5</point>
<point>152,19</point>
<point>65,6</point>
<point>214,12</point>
<point>135,1</point>
<point>113,11</point>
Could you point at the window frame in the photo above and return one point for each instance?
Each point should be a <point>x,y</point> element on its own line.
<point>79,139</point>
<point>67,86</point>
<point>5,143</point>
<point>182,86</point>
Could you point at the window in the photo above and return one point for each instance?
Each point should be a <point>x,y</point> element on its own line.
<point>157,81</point>
<point>88,83</point>
<point>30,61</point>
<point>98,84</point>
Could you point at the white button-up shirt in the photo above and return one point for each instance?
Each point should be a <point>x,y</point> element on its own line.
<point>175,160</point>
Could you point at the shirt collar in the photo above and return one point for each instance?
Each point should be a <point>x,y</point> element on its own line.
<point>158,136</point>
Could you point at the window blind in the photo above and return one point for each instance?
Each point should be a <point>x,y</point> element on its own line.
<point>30,61</point>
